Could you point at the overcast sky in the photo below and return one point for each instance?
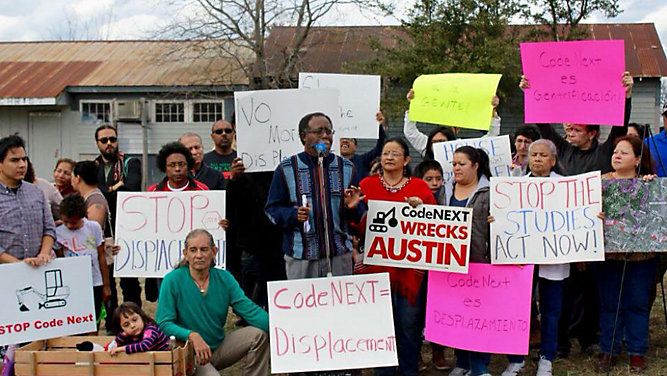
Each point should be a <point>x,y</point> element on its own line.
<point>135,19</point>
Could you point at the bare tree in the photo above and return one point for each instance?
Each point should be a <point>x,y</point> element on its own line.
<point>241,27</point>
<point>77,28</point>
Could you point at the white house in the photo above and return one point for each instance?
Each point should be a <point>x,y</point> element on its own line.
<point>54,94</point>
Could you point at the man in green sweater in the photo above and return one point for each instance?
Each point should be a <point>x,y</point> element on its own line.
<point>193,305</point>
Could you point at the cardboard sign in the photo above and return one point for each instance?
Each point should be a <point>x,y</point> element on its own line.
<point>487,310</point>
<point>50,301</point>
<point>497,148</point>
<point>359,101</point>
<point>546,220</point>
<point>151,229</point>
<point>457,99</point>
<point>574,82</point>
<point>429,237</point>
<point>635,215</point>
<point>336,323</point>
<point>267,123</point>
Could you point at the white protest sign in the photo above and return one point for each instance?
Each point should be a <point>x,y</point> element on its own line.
<point>428,237</point>
<point>359,100</point>
<point>497,148</point>
<point>151,229</point>
<point>267,123</point>
<point>50,301</point>
<point>335,323</point>
<point>546,220</point>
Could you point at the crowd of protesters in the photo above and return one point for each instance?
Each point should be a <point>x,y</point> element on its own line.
<point>310,213</point>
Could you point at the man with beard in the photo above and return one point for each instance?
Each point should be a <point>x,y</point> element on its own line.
<point>117,173</point>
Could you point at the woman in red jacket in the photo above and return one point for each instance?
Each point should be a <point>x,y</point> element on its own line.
<point>394,183</point>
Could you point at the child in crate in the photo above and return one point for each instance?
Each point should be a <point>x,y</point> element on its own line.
<point>135,331</point>
<point>77,236</point>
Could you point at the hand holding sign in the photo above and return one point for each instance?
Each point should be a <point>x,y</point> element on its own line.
<point>471,312</point>
<point>579,76</point>
<point>455,99</point>
<point>321,324</point>
<point>546,220</point>
<point>151,226</point>
<point>267,123</point>
<point>427,237</point>
<point>359,100</point>
<point>50,301</point>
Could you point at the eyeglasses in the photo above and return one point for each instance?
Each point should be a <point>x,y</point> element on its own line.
<point>177,164</point>
<point>321,131</point>
<point>223,130</point>
<point>393,154</point>
<point>105,140</point>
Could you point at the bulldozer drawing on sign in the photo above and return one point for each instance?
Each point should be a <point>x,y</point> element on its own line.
<point>55,293</point>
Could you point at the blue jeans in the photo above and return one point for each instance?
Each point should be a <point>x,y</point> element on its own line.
<point>408,325</point>
<point>512,358</point>
<point>551,306</point>
<point>633,316</point>
<point>476,362</point>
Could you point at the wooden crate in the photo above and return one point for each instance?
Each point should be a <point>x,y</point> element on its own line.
<point>59,357</point>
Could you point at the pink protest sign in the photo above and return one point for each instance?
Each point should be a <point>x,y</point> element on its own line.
<point>574,82</point>
<point>486,310</point>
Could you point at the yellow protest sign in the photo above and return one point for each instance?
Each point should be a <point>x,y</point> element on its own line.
<point>456,99</point>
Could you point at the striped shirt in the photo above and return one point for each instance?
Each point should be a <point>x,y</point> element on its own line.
<point>153,339</point>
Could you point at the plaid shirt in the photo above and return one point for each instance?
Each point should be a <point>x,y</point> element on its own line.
<point>25,217</point>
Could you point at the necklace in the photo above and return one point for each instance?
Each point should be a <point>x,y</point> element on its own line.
<point>393,188</point>
<point>614,175</point>
<point>202,286</point>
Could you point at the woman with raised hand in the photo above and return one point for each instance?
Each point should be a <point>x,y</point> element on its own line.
<point>394,183</point>
<point>424,143</point>
<point>632,275</point>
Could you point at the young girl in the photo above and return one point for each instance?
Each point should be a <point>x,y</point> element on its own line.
<point>135,331</point>
<point>77,236</point>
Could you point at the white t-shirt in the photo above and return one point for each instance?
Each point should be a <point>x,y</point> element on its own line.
<point>554,272</point>
<point>83,242</point>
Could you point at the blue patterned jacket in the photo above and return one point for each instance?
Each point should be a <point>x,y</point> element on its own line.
<point>297,176</point>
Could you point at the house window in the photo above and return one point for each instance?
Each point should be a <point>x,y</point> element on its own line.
<point>96,111</point>
<point>207,112</point>
<point>169,112</point>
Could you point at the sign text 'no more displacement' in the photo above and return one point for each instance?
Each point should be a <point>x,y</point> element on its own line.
<point>546,220</point>
<point>267,123</point>
<point>428,237</point>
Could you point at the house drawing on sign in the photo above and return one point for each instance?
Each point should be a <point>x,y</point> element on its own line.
<point>55,292</point>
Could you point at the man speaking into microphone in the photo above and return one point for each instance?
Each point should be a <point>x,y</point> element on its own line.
<point>308,200</point>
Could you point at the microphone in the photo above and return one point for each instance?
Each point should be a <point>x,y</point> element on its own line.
<point>320,148</point>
